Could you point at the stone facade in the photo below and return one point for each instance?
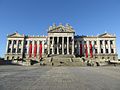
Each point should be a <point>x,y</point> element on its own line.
<point>61,40</point>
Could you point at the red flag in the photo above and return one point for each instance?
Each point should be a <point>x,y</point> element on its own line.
<point>86,51</point>
<point>30,50</point>
<point>40,50</point>
<point>80,49</point>
<point>91,51</point>
<point>35,50</point>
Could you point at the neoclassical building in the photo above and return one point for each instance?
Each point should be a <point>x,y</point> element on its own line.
<point>61,40</point>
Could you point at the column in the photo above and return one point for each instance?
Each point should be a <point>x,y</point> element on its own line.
<point>48,45</point>
<point>98,46</point>
<point>83,49</point>
<point>114,44</point>
<point>63,45</point>
<point>88,47</point>
<point>12,46</point>
<point>52,45</point>
<point>104,47</point>
<point>33,48</point>
<point>93,47</point>
<point>72,45</point>
<point>57,45</point>
<point>17,47</point>
<point>28,45</point>
<point>43,47</point>
<point>38,47</point>
<point>67,45</point>
<point>22,48</point>
<point>109,47</point>
<point>7,47</point>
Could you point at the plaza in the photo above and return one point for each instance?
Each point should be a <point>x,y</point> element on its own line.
<point>59,78</point>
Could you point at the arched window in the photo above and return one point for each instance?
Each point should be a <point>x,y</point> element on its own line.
<point>13,58</point>
<point>7,57</point>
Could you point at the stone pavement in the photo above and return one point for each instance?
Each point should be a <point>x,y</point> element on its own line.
<point>59,78</point>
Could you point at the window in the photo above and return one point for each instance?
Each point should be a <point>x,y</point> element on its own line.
<point>113,58</point>
<point>25,42</point>
<point>96,57</point>
<point>19,50</point>
<point>106,42</point>
<point>112,50</point>
<point>8,58</point>
<point>111,41</point>
<point>84,42</point>
<point>90,42</point>
<point>101,50</point>
<point>14,42</point>
<point>100,41</point>
<point>20,41</point>
<point>9,50</point>
<point>95,50</point>
<point>25,50</point>
<point>80,42</point>
<point>35,42</point>
<point>14,50</point>
<point>30,42</point>
<point>95,42</point>
<point>102,57</point>
<point>106,50</point>
<point>9,42</point>
<point>13,58</point>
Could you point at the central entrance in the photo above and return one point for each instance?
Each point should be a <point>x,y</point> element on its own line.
<point>61,40</point>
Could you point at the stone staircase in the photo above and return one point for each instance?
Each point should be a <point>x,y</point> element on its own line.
<point>63,61</point>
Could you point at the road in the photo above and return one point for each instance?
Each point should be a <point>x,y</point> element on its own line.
<point>59,78</point>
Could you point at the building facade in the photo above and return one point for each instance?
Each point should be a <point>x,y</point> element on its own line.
<point>61,40</point>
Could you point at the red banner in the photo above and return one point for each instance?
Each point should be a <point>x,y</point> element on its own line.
<point>80,49</point>
<point>35,50</point>
<point>91,51</point>
<point>40,50</point>
<point>30,50</point>
<point>86,51</point>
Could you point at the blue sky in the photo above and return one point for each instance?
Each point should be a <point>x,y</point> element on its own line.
<point>33,17</point>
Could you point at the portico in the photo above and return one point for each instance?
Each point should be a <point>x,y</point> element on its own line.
<point>61,40</point>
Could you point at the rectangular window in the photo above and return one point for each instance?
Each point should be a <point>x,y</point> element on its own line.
<point>14,50</point>
<point>111,41</point>
<point>84,42</point>
<point>9,41</point>
<point>80,42</point>
<point>14,42</point>
<point>26,42</point>
<point>101,50</point>
<point>25,50</point>
<point>95,42</point>
<point>95,50</point>
<point>101,42</point>
<point>20,42</point>
<point>112,50</point>
<point>106,50</point>
<point>106,42</point>
<point>19,50</point>
<point>9,50</point>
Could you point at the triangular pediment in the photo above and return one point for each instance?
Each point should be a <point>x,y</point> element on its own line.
<point>106,35</point>
<point>15,35</point>
<point>60,29</point>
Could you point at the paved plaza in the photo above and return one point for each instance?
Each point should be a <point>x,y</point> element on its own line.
<point>59,78</point>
